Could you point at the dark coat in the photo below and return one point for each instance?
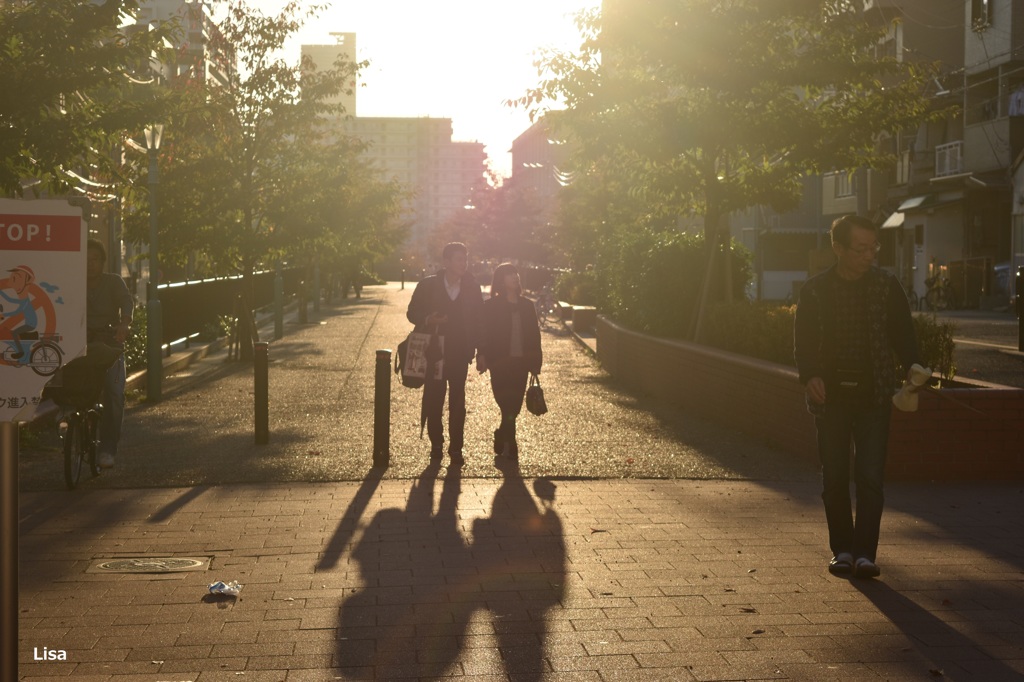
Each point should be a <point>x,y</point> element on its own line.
<point>461,333</point>
<point>890,329</point>
<point>496,337</point>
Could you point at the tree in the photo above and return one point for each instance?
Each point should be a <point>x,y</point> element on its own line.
<point>336,211</point>
<point>231,149</point>
<point>235,151</point>
<point>503,221</point>
<point>705,107</point>
<point>64,68</point>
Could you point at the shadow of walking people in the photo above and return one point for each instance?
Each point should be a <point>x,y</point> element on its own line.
<point>520,553</point>
<point>422,582</point>
<point>412,613</point>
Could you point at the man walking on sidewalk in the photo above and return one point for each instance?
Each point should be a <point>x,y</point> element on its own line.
<point>849,321</point>
<point>448,303</point>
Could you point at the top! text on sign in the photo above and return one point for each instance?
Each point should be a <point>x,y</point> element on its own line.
<point>39,233</point>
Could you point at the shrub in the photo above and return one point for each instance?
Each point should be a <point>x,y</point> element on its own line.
<point>654,283</point>
<point>578,288</point>
<point>935,341</point>
<point>216,329</point>
<point>760,330</point>
<point>765,331</point>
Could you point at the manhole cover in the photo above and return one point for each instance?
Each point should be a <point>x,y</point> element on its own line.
<point>150,565</point>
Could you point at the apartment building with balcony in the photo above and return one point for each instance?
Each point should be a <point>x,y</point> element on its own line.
<point>954,212</point>
<point>945,205</point>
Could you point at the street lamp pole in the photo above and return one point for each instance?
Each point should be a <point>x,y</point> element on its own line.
<point>154,316</point>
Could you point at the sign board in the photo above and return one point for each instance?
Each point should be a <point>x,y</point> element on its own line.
<point>42,298</point>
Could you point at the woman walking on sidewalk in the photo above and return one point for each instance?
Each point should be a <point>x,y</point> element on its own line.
<point>510,350</point>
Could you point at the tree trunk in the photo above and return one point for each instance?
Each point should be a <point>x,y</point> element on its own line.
<point>247,332</point>
<point>711,238</point>
<point>727,262</point>
<point>696,326</point>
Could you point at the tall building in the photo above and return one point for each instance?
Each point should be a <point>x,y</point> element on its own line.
<point>203,54</point>
<point>327,56</point>
<point>419,153</point>
<point>538,164</point>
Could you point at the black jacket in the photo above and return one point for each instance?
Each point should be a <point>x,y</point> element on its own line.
<point>890,329</point>
<point>496,338</point>
<point>461,332</point>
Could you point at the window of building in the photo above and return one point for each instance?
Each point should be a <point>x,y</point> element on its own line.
<point>888,46</point>
<point>981,14</point>
<point>982,97</point>
<point>845,184</point>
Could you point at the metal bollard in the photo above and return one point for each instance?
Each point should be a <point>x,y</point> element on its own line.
<point>316,289</point>
<point>9,556</point>
<point>303,299</point>
<point>1019,291</point>
<point>382,410</point>
<point>261,385</point>
<point>278,303</point>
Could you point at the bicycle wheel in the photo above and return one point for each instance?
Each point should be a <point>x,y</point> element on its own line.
<point>45,359</point>
<point>547,311</point>
<point>92,441</point>
<point>936,299</point>
<point>75,452</point>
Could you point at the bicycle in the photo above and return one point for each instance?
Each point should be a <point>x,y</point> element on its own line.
<point>77,391</point>
<point>940,295</point>
<point>547,308</point>
<point>913,299</point>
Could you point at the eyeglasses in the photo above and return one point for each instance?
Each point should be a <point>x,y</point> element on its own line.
<point>865,250</point>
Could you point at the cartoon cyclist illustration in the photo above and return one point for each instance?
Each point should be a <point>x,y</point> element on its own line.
<point>23,319</point>
<point>21,341</point>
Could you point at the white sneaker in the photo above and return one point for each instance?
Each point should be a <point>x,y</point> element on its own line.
<point>105,460</point>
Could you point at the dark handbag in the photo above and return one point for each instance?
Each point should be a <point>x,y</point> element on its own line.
<point>535,402</point>
<point>401,362</point>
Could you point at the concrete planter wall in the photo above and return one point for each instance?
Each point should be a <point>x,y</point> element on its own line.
<point>941,441</point>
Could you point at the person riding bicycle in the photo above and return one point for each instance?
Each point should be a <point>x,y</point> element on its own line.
<point>21,277</point>
<point>108,319</point>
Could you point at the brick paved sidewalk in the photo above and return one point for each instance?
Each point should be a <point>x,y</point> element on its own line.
<point>415,573</point>
<point>511,579</point>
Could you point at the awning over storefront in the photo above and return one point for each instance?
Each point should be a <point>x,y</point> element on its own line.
<point>928,201</point>
<point>912,203</point>
<point>895,220</point>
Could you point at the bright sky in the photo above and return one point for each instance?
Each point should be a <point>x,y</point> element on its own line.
<point>457,59</point>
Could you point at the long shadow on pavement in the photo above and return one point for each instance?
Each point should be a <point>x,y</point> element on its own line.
<point>422,582</point>
<point>350,520</point>
<point>950,652</point>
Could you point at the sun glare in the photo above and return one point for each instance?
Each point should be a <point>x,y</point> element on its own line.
<point>458,59</point>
